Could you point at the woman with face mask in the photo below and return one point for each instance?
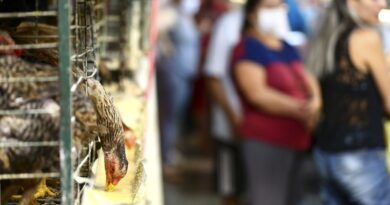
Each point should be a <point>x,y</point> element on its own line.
<point>280,103</point>
<point>348,58</point>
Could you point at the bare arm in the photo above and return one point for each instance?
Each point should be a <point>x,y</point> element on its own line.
<point>219,96</point>
<point>251,80</point>
<point>367,45</point>
<point>315,105</point>
<point>314,89</point>
<point>388,60</point>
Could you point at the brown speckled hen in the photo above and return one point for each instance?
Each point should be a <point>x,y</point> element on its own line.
<point>24,34</point>
<point>15,95</point>
<point>31,128</point>
<point>111,133</point>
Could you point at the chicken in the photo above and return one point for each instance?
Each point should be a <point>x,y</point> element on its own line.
<point>85,120</point>
<point>88,115</point>
<point>21,128</point>
<point>15,93</point>
<point>24,34</point>
<point>111,133</point>
<point>11,98</point>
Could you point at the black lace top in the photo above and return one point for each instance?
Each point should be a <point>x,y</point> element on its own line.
<point>353,113</point>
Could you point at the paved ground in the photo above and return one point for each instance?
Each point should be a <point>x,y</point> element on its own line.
<point>192,185</point>
<point>174,195</point>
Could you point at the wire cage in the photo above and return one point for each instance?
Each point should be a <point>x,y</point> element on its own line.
<point>84,57</point>
<point>61,34</point>
<point>139,17</point>
<point>123,46</point>
<point>124,39</point>
<point>64,34</point>
<point>113,42</point>
<point>13,13</point>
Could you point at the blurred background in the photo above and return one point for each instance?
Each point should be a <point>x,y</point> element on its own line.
<point>195,170</point>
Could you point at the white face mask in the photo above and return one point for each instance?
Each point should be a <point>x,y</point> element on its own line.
<point>273,21</point>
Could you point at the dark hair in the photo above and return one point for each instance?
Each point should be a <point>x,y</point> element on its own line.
<point>343,13</point>
<point>249,8</point>
<point>336,21</point>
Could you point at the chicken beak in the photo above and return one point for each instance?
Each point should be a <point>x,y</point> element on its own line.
<point>110,187</point>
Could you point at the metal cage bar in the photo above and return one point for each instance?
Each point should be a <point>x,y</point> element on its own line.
<point>7,80</point>
<point>28,175</point>
<point>30,46</point>
<point>27,14</point>
<point>66,102</point>
<point>29,144</point>
<point>85,43</point>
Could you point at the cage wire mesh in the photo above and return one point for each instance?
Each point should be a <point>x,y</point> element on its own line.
<point>34,12</point>
<point>88,23</point>
<point>100,29</point>
<point>139,17</point>
<point>138,22</point>
<point>122,46</point>
<point>113,43</point>
<point>35,32</point>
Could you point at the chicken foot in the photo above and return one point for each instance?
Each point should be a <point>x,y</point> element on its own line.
<point>43,190</point>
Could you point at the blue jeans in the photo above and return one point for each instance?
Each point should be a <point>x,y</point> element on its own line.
<point>174,93</point>
<point>354,177</point>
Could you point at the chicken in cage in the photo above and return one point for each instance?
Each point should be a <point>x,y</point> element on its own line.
<point>30,100</point>
<point>113,68</point>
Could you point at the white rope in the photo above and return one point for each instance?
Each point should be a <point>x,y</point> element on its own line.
<point>81,78</point>
<point>76,174</point>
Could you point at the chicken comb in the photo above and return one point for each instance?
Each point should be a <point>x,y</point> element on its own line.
<point>6,40</point>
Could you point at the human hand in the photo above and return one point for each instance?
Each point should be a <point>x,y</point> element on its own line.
<point>234,122</point>
<point>313,112</point>
<point>307,112</point>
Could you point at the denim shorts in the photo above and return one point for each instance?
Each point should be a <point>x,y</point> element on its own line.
<point>354,177</point>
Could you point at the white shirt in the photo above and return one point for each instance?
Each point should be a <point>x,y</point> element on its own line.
<point>225,36</point>
<point>385,29</point>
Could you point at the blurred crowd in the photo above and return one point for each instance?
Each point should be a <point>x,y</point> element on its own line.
<point>276,92</point>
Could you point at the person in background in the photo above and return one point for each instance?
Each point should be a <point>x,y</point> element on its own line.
<point>225,108</point>
<point>385,30</point>
<point>176,67</point>
<point>280,103</point>
<point>311,11</point>
<point>348,58</point>
<point>209,12</point>
<point>295,17</point>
